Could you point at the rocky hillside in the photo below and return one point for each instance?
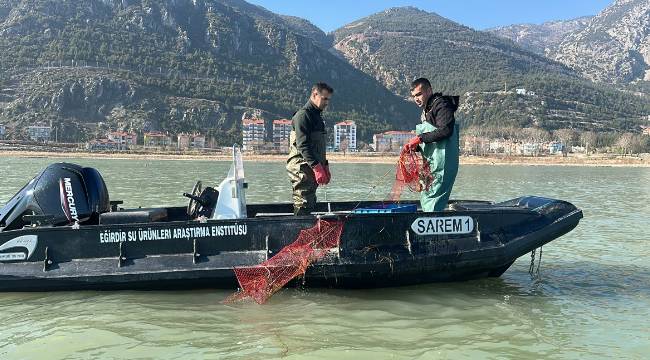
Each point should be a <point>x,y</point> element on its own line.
<point>387,46</point>
<point>485,69</point>
<point>200,65</point>
<point>614,47</point>
<point>297,25</point>
<point>541,38</point>
<point>171,65</point>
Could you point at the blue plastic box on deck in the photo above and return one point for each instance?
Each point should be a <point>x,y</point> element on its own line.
<point>388,208</point>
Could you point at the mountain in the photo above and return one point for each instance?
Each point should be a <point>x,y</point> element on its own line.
<point>308,30</point>
<point>485,70</point>
<point>614,47</point>
<point>297,25</point>
<point>197,65</point>
<point>541,38</point>
<point>171,65</point>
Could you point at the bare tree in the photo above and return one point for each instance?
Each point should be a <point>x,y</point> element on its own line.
<point>535,136</point>
<point>343,146</point>
<point>624,142</point>
<point>587,139</point>
<point>638,144</point>
<point>566,136</point>
<point>473,131</point>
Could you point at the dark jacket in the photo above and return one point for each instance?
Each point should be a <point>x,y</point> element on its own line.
<point>307,123</point>
<point>439,112</point>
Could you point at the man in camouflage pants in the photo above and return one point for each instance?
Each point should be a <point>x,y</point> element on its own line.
<point>307,164</point>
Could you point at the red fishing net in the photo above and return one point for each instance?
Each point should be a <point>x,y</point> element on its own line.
<point>261,281</point>
<point>411,172</point>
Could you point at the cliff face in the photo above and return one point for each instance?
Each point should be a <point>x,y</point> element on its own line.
<point>614,47</point>
<point>543,38</point>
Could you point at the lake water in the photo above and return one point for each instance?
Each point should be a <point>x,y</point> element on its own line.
<point>591,300</point>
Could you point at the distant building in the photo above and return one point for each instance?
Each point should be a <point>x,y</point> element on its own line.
<point>191,141</point>
<point>522,91</point>
<point>578,149</point>
<point>345,136</point>
<point>502,146</point>
<point>555,148</point>
<point>281,131</point>
<point>530,149</point>
<point>102,145</point>
<point>645,130</point>
<point>497,146</point>
<point>39,132</point>
<point>157,139</point>
<point>183,141</point>
<point>3,131</point>
<point>391,141</point>
<point>253,133</point>
<point>123,139</point>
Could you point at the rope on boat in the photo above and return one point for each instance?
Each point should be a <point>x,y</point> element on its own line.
<point>531,270</point>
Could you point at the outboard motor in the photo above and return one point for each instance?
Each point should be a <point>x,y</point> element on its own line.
<point>62,194</point>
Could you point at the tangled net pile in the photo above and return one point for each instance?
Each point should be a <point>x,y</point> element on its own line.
<point>261,281</point>
<point>411,172</point>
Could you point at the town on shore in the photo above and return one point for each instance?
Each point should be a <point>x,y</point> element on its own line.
<point>262,142</point>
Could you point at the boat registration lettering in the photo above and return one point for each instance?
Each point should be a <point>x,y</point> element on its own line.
<point>108,236</point>
<point>443,225</point>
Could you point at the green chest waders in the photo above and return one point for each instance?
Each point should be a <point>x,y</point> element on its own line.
<point>442,157</point>
<point>303,181</point>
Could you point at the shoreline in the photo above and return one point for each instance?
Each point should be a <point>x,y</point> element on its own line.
<point>572,160</point>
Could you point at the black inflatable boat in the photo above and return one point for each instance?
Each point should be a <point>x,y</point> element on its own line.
<point>61,232</point>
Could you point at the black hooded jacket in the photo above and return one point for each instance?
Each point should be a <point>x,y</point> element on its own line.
<point>439,112</point>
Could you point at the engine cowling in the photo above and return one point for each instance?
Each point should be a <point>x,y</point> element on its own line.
<point>63,193</point>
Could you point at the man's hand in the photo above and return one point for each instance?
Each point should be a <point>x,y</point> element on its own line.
<point>321,174</point>
<point>412,145</point>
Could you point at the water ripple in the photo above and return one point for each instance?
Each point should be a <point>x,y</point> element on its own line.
<point>590,301</point>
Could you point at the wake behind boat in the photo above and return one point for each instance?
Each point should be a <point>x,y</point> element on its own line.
<point>61,232</point>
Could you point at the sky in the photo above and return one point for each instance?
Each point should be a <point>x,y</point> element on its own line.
<point>329,15</point>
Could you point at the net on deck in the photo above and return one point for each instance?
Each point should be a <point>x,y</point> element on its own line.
<point>261,281</point>
<point>411,172</point>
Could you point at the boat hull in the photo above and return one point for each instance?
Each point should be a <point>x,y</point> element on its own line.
<point>375,249</point>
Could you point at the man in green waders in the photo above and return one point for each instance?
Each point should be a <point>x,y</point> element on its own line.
<point>437,141</point>
<point>307,164</point>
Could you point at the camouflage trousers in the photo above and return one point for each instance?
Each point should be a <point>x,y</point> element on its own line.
<point>304,186</point>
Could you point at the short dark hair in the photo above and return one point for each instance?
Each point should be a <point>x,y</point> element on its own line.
<point>421,81</point>
<point>322,86</point>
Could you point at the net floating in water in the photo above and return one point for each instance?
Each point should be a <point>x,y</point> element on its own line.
<point>261,281</point>
<point>412,172</point>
